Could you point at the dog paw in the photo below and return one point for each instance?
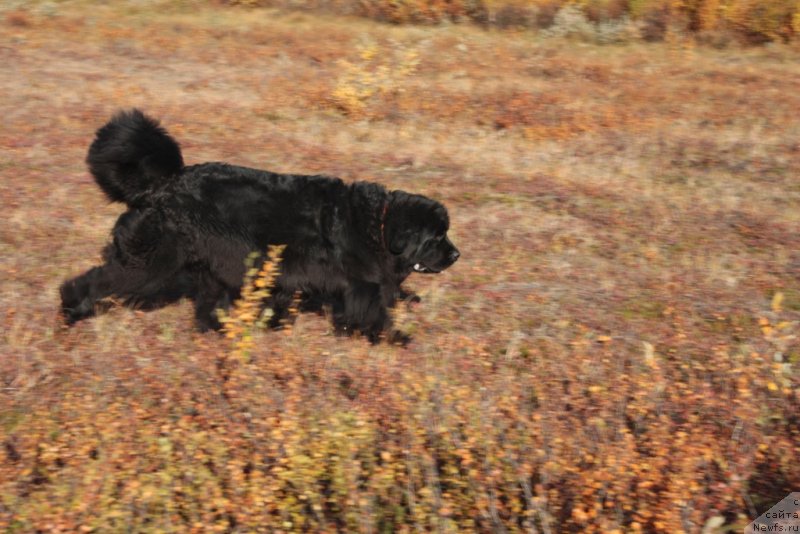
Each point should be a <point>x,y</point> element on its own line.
<point>408,297</point>
<point>343,331</point>
<point>74,304</point>
<point>396,337</point>
<point>208,323</point>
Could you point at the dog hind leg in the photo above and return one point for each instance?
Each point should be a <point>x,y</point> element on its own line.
<point>80,295</point>
<point>211,296</point>
<point>142,264</point>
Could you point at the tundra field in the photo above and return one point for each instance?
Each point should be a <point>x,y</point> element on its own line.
<point>615,351</point>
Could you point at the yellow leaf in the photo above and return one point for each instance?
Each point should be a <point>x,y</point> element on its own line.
<point>777,301</point>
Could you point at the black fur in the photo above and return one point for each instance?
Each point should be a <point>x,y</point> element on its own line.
<point>132,154</point>
<point>188,230</point>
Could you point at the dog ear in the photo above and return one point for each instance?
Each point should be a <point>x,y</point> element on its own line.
<point>398,240</point>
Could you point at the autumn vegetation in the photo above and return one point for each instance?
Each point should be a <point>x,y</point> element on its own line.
<point>716,22</point>
<point>616,350</point>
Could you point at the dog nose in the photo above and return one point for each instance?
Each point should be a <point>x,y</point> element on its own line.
<point>454,256</point>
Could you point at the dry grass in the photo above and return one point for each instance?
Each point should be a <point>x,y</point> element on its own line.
<point>615,351</point>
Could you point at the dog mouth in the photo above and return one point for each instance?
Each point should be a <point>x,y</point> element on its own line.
<point>441,262</point>
<point>422,268</point>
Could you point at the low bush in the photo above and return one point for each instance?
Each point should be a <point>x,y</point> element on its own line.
<point>747,21</point>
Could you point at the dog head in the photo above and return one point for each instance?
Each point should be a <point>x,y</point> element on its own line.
<point>415,230</point>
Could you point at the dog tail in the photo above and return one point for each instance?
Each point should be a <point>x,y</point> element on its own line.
<point>131,155</point>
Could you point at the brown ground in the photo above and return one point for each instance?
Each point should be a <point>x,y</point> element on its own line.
<point>615,349</point>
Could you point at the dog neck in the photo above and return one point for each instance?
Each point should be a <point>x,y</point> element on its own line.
<point>369,206</point>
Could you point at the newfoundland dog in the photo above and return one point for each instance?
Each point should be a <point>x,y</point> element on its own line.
<point>188,230</point>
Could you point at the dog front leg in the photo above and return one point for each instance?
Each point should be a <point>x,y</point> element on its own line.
<point>361,308</point>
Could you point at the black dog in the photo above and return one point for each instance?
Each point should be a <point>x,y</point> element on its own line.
<point>188,230</point>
